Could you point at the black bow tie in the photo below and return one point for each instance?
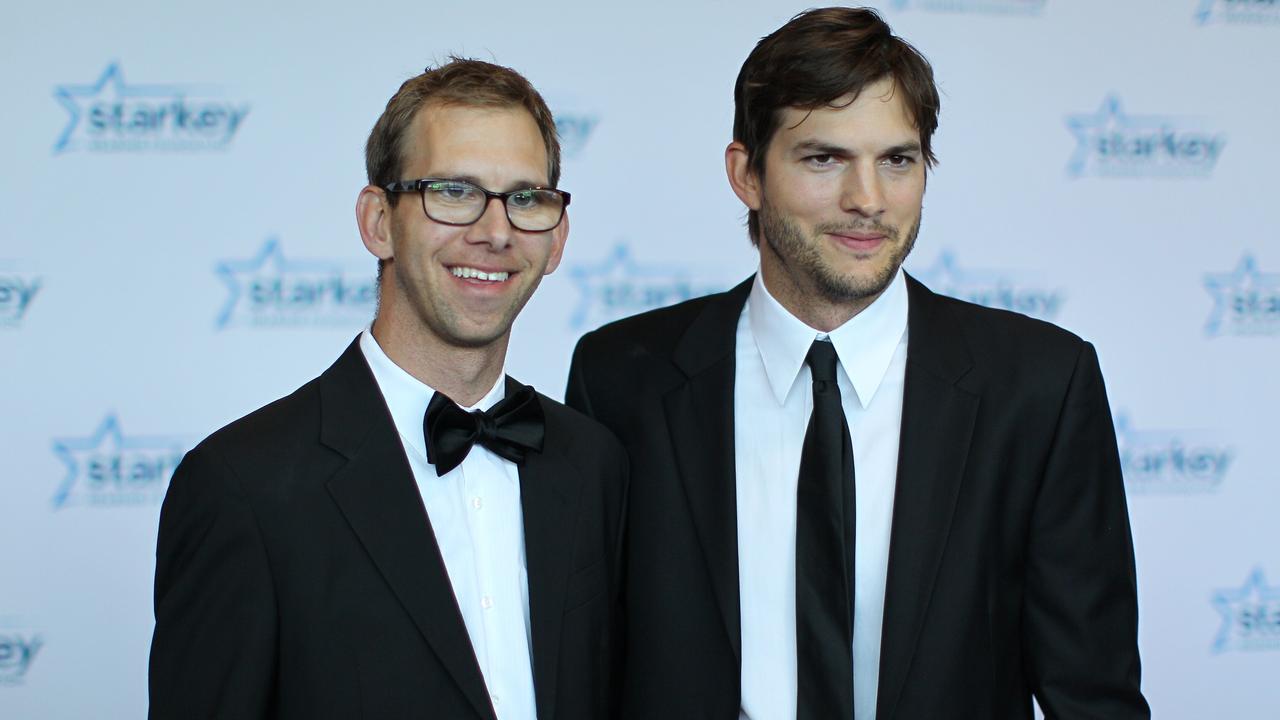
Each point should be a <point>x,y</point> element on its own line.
<point>510,429</point>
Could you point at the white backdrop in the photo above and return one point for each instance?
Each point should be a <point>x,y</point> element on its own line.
<point>179,247</point>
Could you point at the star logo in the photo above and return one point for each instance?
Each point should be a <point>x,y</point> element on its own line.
<point>112,115</point>
<point>1112,143</point>
<point>111,86</point>
<point>990,288</point>
<point>1250,616</point>
<point>268,289</point>
<point>619,286</point>
<point>1246,301</point>
<point>110,468</point>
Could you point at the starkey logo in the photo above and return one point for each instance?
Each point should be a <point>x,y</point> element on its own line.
<point>1113,143</point>
<point>111,115</point>
<point>109,468</point>
<point>269,290</point>
<point>1171,461</point>
<point>995,7</point>
<point>619,286</point>
<point>1250,616</point>
<point>1246,301</point>
<point>1241,12</point>
<point>19,646</point>
<point>18,288</point>
<point>1018,292</point>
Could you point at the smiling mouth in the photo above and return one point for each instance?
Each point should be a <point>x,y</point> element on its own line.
<point>470,273</point>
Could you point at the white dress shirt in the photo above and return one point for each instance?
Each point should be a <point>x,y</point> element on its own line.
<point>773,398</point>
<point>477,519</point>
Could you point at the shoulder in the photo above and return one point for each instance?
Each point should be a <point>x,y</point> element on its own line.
<point>659,331</point>
<point>1006,347</point>
<point>1004,327</point>
<point>263,454</point>
<point>578,434</point>
<point>270,431</point>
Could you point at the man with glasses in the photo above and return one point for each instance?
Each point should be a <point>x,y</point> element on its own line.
<point>851,497</point>
<point>412,534</point>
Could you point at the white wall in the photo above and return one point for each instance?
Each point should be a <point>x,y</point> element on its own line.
<point>128,261</point>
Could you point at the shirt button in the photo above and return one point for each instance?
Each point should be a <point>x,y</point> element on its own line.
<point>477,503</point>
<point>486,602</point>
<point>494,698</point>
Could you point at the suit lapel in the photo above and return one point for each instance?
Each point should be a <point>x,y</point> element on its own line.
<point>549,488</point>
<point>700,417</point>
<point>937,424</point>
<point>378,496</point>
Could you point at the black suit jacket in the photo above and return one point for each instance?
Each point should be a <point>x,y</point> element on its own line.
<point>297,575</point>
<point>1010,562</point>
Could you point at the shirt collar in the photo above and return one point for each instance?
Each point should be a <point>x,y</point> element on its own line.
<point>865,344</point>
<point>407,397</point>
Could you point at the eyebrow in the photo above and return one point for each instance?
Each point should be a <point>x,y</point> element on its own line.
<point>514,186</point>
<point>817,146</point>
<point>907,148</point>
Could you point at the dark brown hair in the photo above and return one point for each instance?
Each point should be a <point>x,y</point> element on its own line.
<point>459,81</point>
<point>819,57</point>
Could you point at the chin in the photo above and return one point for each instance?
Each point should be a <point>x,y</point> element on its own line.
<point>479,336</point>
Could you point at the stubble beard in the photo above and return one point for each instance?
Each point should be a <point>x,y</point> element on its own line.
<point>437,318</point>
<point>802,258</point>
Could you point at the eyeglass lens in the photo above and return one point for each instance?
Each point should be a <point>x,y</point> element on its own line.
<point>461,203</point>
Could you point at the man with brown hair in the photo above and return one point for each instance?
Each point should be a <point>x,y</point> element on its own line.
<point>850,497</point>
<point>413,533</point>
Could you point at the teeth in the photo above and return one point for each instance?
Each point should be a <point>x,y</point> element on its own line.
<point>474,274</point>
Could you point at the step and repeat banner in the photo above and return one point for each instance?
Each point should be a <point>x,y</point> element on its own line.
<point>179,247</point>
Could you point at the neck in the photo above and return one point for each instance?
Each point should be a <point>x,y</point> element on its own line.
<point>801,297</point>
<point>464,374</point>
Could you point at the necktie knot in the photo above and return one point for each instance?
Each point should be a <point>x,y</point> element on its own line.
<point>510,429</point>
<point>822,363</point>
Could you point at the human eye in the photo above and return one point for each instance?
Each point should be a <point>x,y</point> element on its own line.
<point>821,160</point>
<point>899,161</point>
<point>452,191</point>
<point>524,199</point>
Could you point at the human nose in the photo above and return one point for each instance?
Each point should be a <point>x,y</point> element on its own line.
<point>493,227</point>
<point>862,192</point>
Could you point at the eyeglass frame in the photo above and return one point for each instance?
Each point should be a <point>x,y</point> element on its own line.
<point>419,186</point>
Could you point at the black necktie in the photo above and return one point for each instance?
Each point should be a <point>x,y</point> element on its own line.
<point>510,429</point>
<point>824,552</point>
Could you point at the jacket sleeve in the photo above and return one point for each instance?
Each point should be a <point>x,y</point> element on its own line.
<point>213,654</point>
<point>1081,610</point>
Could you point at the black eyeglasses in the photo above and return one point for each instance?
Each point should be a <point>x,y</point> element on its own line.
<point>458,202</point>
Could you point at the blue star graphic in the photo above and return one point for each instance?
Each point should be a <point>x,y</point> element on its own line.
<point>1225,286</point>
<point>107,437</point>
<point>270,258</point>
<point>673,282</point>
<point>617,265</point>
<point>1109,116</point>
<point>946,273</point>
<point>1228,603</point>
<point>111,80</point>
